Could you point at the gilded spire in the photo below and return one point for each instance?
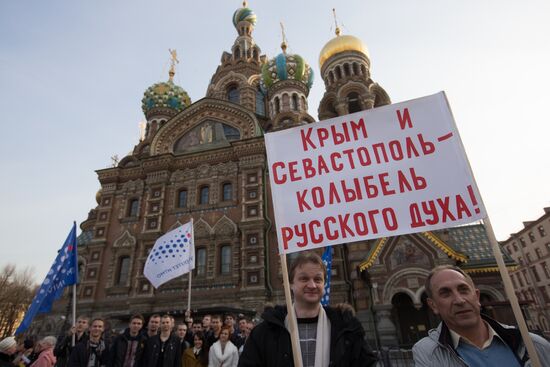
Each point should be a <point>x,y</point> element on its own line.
<point>174,60</point>
<point>283,44</point>
<point>337,29</point>
<point>245,4</point>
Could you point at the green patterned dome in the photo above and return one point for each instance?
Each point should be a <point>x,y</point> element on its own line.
<point>287,66</point>
<point>165,95</point>
<point>244,14</point>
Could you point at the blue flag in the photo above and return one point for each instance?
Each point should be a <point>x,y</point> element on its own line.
<point>327,260</point>
<point>63,272</point>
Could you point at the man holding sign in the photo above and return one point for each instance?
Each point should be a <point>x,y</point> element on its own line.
<point>328,336</point>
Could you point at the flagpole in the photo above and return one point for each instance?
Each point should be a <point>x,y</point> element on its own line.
<point>191,271</point>
<point>74,285</point>
<point>74,313</point>
<point>512,298</point>
<point>293,324</point>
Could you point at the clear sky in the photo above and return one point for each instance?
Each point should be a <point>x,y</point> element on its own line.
<point>72,75</point>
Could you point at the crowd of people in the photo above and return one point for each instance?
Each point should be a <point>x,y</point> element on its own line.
<point>215,340</point>
<point>328,336</point>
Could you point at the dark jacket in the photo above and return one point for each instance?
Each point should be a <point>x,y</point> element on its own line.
<point>81,354</point>
<point>5,360</point>
<point>119,348</point>
<point>172,352</point>
<point>269,343</point>
<point>64,347</point>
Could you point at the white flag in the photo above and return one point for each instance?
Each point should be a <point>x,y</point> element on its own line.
<point>173,255</point>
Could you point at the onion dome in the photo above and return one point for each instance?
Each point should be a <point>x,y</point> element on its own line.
<point>165,95</point>
<point>287,66</point>
<point>244,14</point>
<point>341,43</point>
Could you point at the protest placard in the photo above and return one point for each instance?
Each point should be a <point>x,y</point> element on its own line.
<point>382,172</point>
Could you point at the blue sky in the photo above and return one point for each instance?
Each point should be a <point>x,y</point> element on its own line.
<point>72,75</point>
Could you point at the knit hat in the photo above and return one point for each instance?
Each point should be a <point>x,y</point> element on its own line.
<point>7,343</point>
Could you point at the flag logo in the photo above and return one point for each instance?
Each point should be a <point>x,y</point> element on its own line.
<point>172,255</point>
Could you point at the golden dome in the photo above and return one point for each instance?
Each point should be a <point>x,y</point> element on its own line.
<point>340,44</point>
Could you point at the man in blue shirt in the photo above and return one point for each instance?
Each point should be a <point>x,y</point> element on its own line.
<point>465,337</point>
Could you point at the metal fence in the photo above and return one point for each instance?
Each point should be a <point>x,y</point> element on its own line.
<point>395,357</point>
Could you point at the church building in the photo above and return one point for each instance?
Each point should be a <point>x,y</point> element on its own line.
<point>206,160</point>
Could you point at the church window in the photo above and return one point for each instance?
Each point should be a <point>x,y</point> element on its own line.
<point>346,70</point>
<point>204,195</point>
<point>233,94</point>
<point>294,102</point>
<point>331,77</point>
<point>353,102</point>
<point>364,70</point>
<point>123,270</point>
<point>201,261</point>
<point>277,105</point>
<point>133,207</point>
<point>355,68</point>
<point>227,189</point>
<point>535,274</point>
<point>260,103</point>
<point>182,198</point>
<point>338,73</point>
<point>225,259</point>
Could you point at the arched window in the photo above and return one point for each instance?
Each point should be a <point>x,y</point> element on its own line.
<point>355,68</point>
<point>346,70</point>
<point>294,102</point>
<point>277,105</point>
<point>133,207</point>
<point>123,270</point>
<point>225,260</point>
<point>233,94</point>
<point>227,189</point>
<point>204,193</point>
<point>201,262</point>
<point>338,73</point>
<point>260,103</point>
<point>353,103</point>
<point>182,198</point>
<point>331,77</point>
